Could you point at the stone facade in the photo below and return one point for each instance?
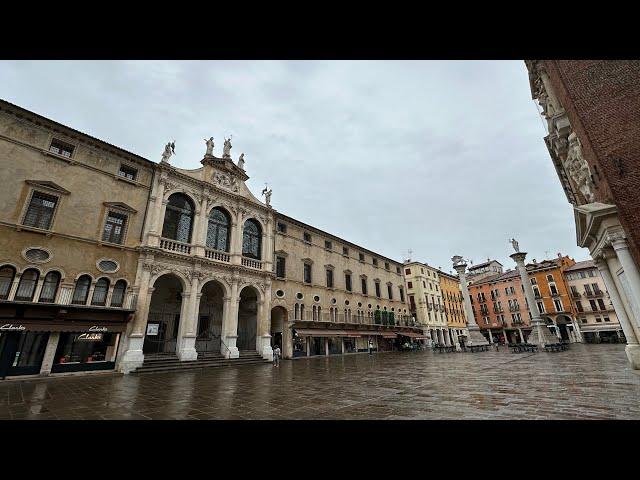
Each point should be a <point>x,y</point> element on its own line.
<point>453,305</point>
<point>73,210</point>
<point>591,109</point>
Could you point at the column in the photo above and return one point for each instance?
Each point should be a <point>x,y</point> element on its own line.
<point>555,324</point>
<point>521,335</point>
<point>576,331</point>
<point>287,339</point>
<point>540,334</point>
<point>198,237</point>
<point>38,290</point>
<point>263,337</point>
<point>630,332</point>
<point>342,345</point>
<point>185,343</point>
<point>326,346</point>
<point>14,286</point>
<point>91,290</point>
<point>475,336</point>
<point>133,356</point>
<point>49,353</point>
<point>490,336</point>
<point>236,241</point>
<point>230,323</point>
<point>107,301</point>
<point>632,275</point>
<point>506,338</point>
<point>308,342</point>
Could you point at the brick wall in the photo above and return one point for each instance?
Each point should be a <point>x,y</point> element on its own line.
<point>602,101</point>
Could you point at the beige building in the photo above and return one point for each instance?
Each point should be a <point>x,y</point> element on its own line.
<point>72,209</point>
<point>595,313</point>
<point>425,301</point>
<point>337,296</point>
<point>109,260</point>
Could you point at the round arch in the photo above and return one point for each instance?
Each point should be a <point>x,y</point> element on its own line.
<point>164,318</point>
<point>249,297</point>
<point>183,280</point>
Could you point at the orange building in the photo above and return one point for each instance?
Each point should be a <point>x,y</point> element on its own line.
<point>501,310</point>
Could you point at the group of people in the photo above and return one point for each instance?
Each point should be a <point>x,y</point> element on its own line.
<point>277,353</point>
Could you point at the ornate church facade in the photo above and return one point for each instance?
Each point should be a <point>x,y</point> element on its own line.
<point>205,267</point>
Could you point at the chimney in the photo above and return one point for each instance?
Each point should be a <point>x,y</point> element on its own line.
<point>559,255</point>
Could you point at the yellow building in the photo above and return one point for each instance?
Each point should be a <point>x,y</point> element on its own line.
<point>453,306</point>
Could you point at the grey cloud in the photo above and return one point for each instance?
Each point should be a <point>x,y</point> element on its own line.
<point>440,157</point>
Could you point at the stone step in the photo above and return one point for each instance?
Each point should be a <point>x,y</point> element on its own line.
<point>197,365</point>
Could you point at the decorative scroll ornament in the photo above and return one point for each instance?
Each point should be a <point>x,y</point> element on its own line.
<point>228,182</point>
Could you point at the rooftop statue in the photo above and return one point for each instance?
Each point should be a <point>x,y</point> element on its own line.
<point>209,146</point>
<point>169,149</point>
<point>226,149</point>
<point>514,244</point>
<point>241,161</point>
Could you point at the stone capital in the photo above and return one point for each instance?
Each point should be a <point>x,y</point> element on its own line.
<point>519,257</point>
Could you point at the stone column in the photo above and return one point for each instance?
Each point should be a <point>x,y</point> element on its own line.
<point>342,345</point>
<point>475,336</point>
<point>506,339</point>
<point>326,346</point>
<point>49,353</point>
<point>263,337</point>
<point>490,336</point>
<point>38,290</point>
<point>133,356</point>
<point>540,334</point>
<point>236,240</point>
<point>230,322</point>
<point>630,332</point>
<point>14,287</point>
<point>91,290</point>
<point>521,335</point>
<point>631,273</point>
<point>185,343</point>
<point>558,334</point>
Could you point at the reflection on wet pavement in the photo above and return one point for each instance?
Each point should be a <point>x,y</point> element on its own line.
<point>586,382</point>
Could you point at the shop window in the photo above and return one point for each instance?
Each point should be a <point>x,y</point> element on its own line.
<point>81,292</point>
<point>85,351</point>
<point>7,275</point>
<point>40,211</point>
<point>252,239</point>
<point>27,285</point>
<point>50,287</point>
<point>117,297</point>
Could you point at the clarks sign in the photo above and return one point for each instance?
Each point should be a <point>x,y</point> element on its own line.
<point>89,337</point>
<point>10,327</point>
<point>96,328</point>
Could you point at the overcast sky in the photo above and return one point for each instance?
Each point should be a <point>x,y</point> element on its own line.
<point>440,157</point>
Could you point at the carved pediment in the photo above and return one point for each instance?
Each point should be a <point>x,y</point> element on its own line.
<point>120,206</point>
<point>48,185</point>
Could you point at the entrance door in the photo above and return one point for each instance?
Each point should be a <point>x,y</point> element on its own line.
<point>22,353</point>
<point>162,332</point>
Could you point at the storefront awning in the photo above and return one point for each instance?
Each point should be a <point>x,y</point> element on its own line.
<point>315,332</point>
<point>417,336</point>
<point>387,334</point>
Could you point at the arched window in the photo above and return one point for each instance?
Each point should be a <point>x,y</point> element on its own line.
<point>81,291</point>
<point>7,274</point>
<point>218,230</point>
<point>100,292</point>
<point>178,219</point>
<point>50,287</point>
<point>27,285</point>
<point>117,298</point>
<point>251,239</point>
<point>296,312</point>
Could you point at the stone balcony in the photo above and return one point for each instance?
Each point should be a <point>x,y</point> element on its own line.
<point>173,246</point>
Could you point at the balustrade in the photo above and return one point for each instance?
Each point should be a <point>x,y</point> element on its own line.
<point>175,246</point>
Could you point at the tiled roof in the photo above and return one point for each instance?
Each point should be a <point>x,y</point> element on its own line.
<point>581,265</point>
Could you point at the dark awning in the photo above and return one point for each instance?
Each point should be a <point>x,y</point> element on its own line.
<point>417,336</point>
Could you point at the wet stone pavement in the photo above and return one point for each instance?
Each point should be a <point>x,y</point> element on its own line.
<point>586,382</point>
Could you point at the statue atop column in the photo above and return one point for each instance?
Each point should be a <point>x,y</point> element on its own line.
<point>209,146</point>
<point>514,244</point>
<point>241,161</point>
<point>267,195</point>
<point>226,149</point>
<point>457,260</point>
<point>169,149</point>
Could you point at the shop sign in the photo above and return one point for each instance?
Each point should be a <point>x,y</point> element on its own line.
<point>152,329</point>
<point>97,328</point>
<point>89,337</point>
<point>10,327</point>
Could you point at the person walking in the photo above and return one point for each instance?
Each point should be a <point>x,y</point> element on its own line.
<point>370,347</point>
<point>276,356</point>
